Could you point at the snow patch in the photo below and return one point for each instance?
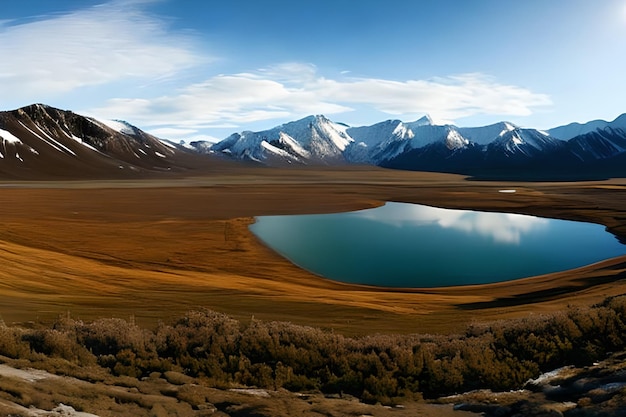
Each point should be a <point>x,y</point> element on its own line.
<point>157,154</point>
<point>168,144</point>
<point>508,127</point>
<point>507,191</point>
<point>50,141</point>
<point>516,139</point>
<point>273,149</point>
<point>336,133</point>
<point>454,140</point>
<point>293,144</point>
<point>118,126</point>
<point>403,131</point>
<point>8,136</point>
<point>87,145</point>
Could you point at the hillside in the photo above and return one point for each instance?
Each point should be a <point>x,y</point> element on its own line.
<point>42,142</point>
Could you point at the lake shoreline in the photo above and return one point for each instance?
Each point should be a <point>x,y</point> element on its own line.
<point>155,249</point>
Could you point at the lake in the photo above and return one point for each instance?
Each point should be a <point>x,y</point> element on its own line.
<point>412,245</point>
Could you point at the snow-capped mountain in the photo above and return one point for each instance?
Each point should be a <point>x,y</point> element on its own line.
<point>386,140</point>
<point>40,140</point>
<point>485,134</point>
<point>524,142</point>
<point>423,145</point>
<point>372,144</point>
<point>316,139</point>
<point>312,139</point>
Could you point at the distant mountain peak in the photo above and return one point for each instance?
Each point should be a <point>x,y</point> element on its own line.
<point>423,121</point>
<point>507,127</point>
<point>619,122</point>
<point>574,129</point>
<point>313,138</point>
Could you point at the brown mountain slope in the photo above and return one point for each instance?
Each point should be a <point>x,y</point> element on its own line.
<point>42,142</point>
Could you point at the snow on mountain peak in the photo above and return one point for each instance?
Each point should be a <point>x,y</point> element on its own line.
<point>507,128</point>
<point>454,140</point>
<point>484,135</point>
<point>403,131</point>
<point>335,132</point>
<point>424,120</point>
<point>118,125</point>
<point>313,137</point>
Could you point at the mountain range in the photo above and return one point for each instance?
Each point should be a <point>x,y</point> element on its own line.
<point>500,148</point>
<point>41,141</point>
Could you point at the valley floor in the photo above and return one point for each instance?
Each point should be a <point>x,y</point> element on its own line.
<point>154,249</point>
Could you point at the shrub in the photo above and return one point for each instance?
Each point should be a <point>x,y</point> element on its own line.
<point>383,368</point>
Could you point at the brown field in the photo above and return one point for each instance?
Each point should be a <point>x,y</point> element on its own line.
<point>156,248</point>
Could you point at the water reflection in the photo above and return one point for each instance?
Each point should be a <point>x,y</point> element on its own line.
<point>410,245</point>
<point>501,227</point>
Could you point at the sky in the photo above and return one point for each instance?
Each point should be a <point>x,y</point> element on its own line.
<point>196,69</point>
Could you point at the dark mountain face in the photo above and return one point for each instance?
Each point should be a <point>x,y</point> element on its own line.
<point>39,141</point>
<point>436,157</point>
<point>600,144</point>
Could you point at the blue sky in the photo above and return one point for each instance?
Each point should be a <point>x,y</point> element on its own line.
<point>186,69</point>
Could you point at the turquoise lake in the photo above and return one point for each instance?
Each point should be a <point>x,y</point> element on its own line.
<point>411,245</point>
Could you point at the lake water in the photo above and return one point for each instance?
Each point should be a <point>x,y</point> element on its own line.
<point>411,245</point>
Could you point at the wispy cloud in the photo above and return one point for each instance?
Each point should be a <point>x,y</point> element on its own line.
<point>107,51</point>
<point>106,43</point>
<point>295,89</point>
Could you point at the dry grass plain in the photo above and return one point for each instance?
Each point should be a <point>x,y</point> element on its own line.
<point>153,249</point>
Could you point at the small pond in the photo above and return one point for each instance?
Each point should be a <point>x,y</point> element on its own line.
<point>411,245</point>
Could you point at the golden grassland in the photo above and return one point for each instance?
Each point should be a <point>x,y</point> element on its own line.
<point>157,248</point>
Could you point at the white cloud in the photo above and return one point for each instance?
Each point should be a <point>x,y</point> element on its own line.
<point>103,49</point>
<point>94,46</point>
<point>293,90</point>
<point>446,98</point>
<point>506,228</point>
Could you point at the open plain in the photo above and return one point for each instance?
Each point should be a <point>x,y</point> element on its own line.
<point>153,249</point>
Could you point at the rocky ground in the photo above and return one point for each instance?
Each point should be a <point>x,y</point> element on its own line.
<point>598,390</point>
<point>29,392</point>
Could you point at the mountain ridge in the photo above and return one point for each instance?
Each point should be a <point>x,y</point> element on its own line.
<point>423,145</point>
<point>42,141</point>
